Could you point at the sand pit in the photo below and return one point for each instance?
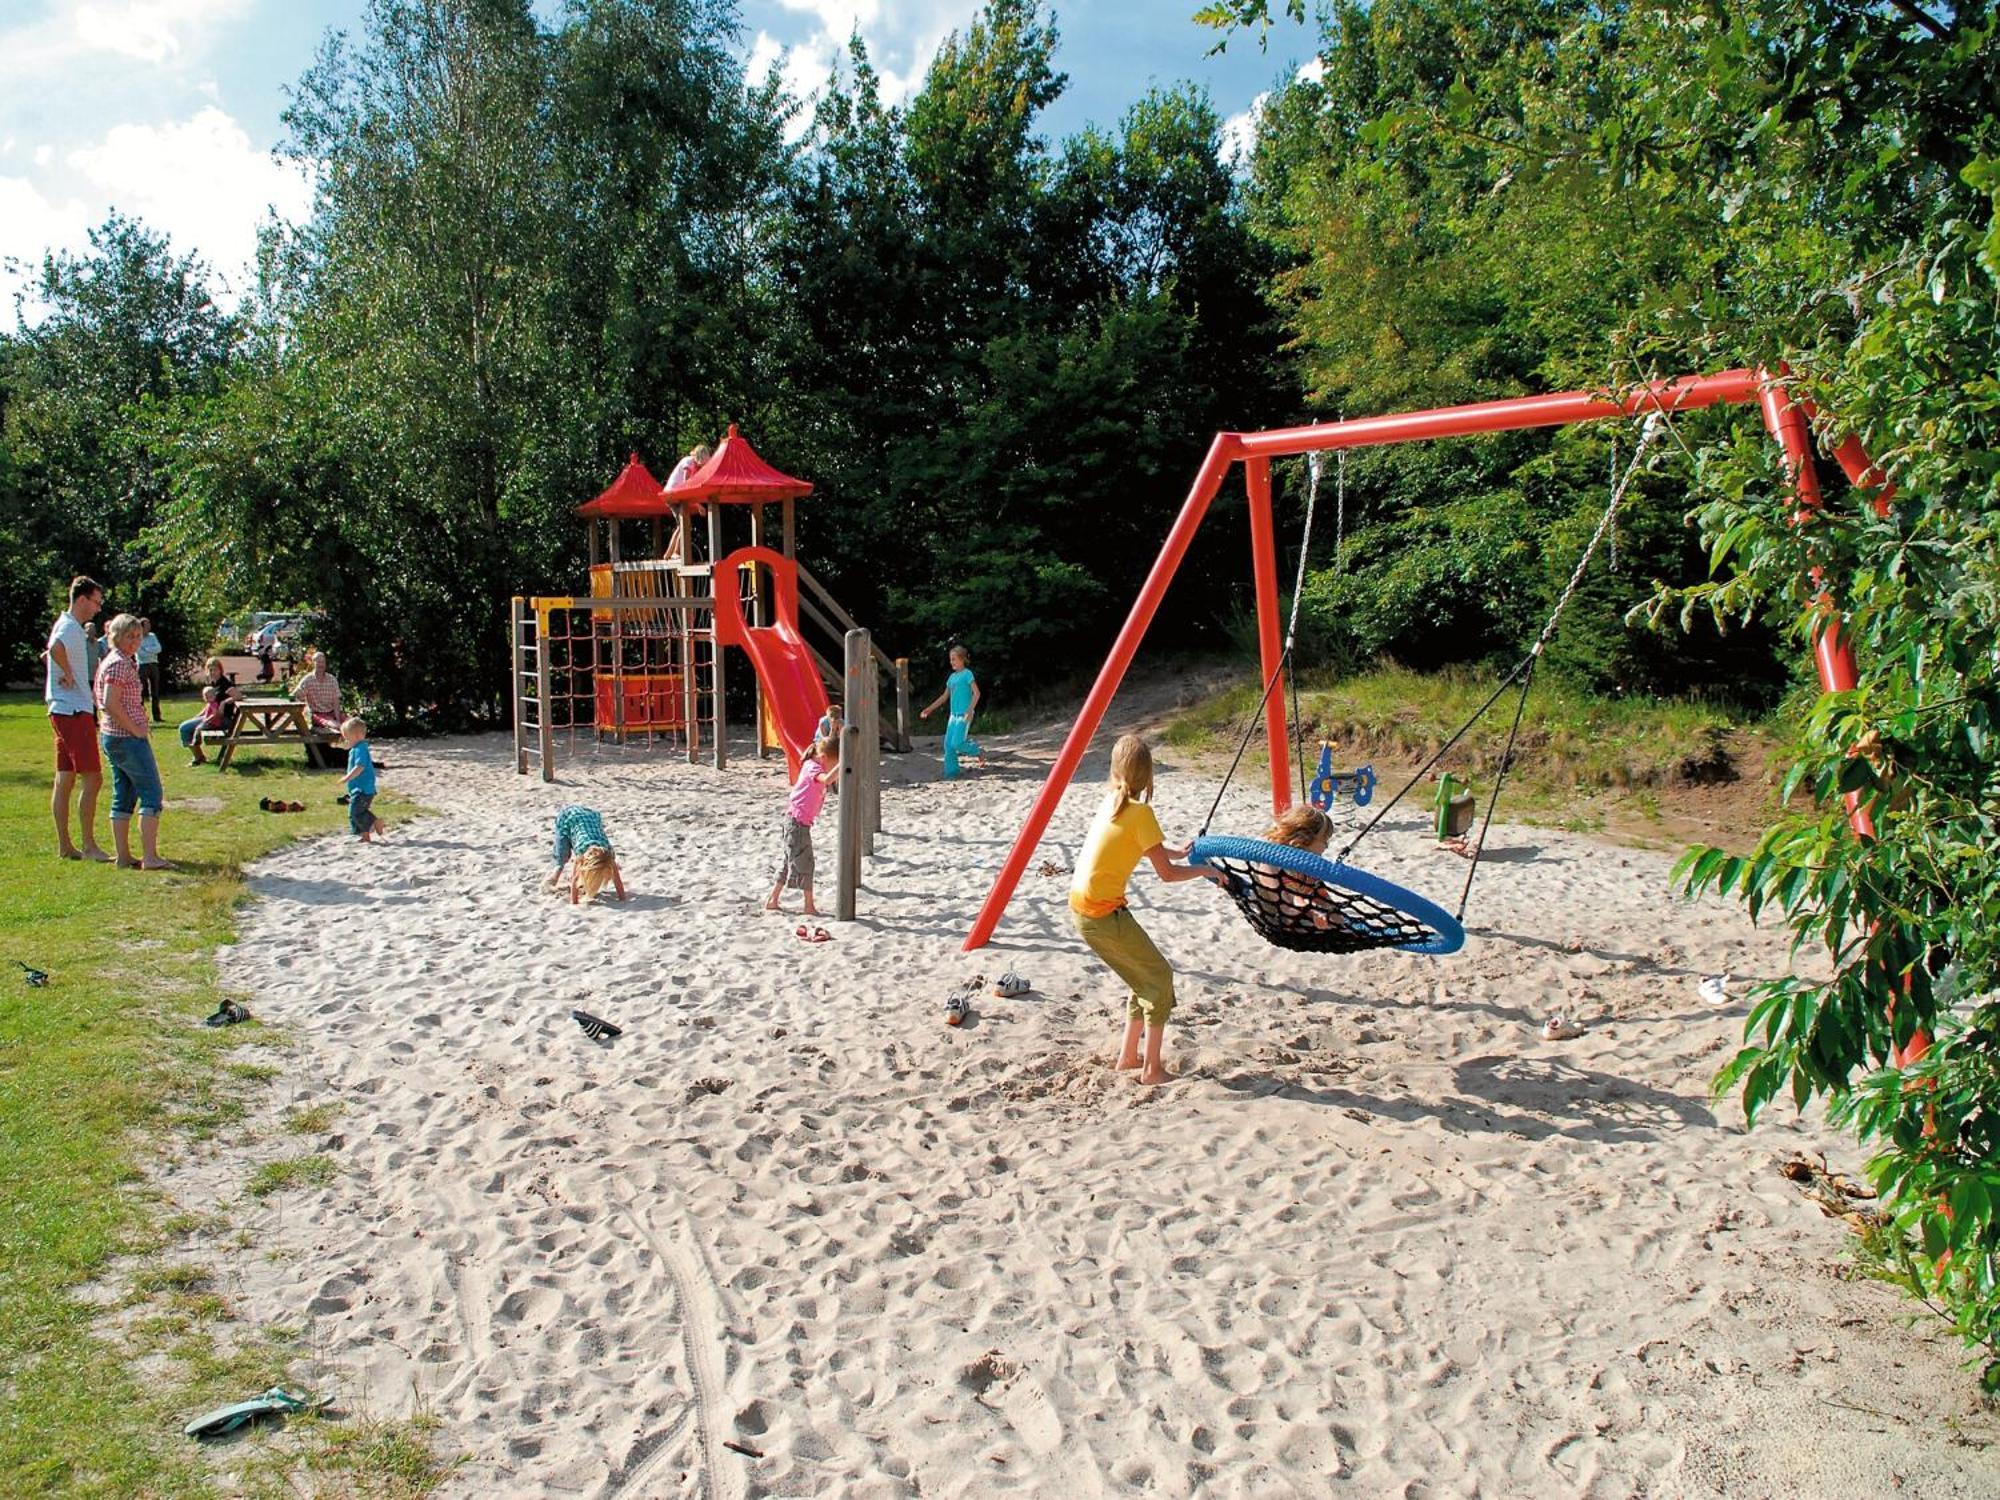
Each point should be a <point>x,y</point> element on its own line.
<point>1380,1238</point>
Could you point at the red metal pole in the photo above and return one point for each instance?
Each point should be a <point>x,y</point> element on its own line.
<point>1221,453</point>
<point>1687,393</point>
<point>1836,658</point>
<point>1270,640</point>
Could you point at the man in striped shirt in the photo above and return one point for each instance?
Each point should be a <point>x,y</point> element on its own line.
<point>319,691</point>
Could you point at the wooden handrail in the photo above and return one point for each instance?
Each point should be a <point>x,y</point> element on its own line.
<point>846,621</point>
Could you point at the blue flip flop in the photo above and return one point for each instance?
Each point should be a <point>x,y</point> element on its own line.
<point>276,1402</point>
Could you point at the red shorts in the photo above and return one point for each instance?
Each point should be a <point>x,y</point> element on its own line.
<point>76,743</point>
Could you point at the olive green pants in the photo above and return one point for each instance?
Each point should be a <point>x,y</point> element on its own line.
<point>1122,943</point>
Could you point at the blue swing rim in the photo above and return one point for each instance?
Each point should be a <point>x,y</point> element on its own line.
<point>1450,935</point>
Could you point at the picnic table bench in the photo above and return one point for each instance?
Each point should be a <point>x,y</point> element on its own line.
<point>267,721</point>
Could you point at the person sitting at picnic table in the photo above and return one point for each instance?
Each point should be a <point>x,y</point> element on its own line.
<point>220,696</point>
<point>319,691</point>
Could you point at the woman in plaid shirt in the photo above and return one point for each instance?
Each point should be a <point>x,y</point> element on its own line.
<point>125,735</point>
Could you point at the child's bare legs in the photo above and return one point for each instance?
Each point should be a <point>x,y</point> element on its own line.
<point>772,902</point>
<point>811,910</point>
<point>1128,1046</point>
<point>1151,1069</point>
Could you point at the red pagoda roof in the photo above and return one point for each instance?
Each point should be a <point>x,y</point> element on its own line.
<point>736,475</point>
<point>635,492</point>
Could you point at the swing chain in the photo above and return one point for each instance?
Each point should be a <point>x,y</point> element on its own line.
<point>1646,436</point>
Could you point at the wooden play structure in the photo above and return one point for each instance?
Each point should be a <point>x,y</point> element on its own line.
<point>642,658</point>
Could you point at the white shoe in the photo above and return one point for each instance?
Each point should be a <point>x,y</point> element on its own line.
<point>1714,990</point>
<point>1560,1028</point>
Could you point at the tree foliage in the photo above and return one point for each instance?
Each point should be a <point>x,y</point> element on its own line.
<point>1808,182</point>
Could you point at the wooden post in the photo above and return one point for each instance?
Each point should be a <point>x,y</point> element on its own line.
<point>684,626</point>
<point>545,738</point>
<point>516,623</point>
<point>788,543</point>
<point>847,879</point>
<point>857,668</point>
<point>903,740</point>
<point>871,744</point>
<point>756,614</point>
<point>717,583</point>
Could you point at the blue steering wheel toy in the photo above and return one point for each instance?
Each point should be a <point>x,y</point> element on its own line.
<point>1328,783</point>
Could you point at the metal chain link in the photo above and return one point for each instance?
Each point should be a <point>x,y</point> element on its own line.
<point>1646,435</point>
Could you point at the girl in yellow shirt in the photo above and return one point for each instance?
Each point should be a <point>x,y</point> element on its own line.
<point>1123,832</point>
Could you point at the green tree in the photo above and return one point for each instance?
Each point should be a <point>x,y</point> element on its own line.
<point>125,324</point>
<point>1836,169</point>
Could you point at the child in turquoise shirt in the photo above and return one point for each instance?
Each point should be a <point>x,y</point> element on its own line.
<point>963,691</point>
<point>360,779</point>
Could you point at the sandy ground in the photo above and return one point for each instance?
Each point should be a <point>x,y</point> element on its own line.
<point>1379,1239</point>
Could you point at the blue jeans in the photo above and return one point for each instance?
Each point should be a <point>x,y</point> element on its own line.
<point>189,729</point>
<point>135,777</point>
<point>360,812</point>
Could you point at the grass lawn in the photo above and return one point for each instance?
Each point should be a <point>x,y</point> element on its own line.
<point>1578,756</point>
<point>101,1070</point>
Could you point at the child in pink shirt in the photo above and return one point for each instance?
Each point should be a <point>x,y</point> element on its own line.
<point>795,866</point>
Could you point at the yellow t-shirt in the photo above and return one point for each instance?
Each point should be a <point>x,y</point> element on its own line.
<point>1111,851</point>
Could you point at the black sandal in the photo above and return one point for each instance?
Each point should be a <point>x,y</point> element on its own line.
<point>595,1027</point>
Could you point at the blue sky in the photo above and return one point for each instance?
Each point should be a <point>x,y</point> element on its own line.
<point>168,109</point>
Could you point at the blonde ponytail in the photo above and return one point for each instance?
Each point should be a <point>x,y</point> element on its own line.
<point>1131,773</point>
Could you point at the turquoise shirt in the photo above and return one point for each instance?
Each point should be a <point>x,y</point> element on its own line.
<point>364,783</point>
<point>582,827</point>
<point>959,685</point>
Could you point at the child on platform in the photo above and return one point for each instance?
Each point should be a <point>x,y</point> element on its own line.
<point>795,863</point>
<point>1123,832</point>
<point>963,692</point>
<point>830,724</point>
<point>580,836</point>
<point>360,779</point>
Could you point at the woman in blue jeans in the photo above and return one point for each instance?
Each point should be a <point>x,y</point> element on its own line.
<point>219,698</point>
<point>135,775</point>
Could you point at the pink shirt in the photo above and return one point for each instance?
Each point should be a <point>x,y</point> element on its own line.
<point>808,793</point>
<point>118,677</point>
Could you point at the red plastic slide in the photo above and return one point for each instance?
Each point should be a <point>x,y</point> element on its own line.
<point>784,663</point>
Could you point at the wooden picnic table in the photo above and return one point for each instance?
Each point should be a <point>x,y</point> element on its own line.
<point>269,721</point>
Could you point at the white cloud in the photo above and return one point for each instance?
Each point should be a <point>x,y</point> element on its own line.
<point>199,181</point>
<point>1239,131</point>
<point>803,69</point>
<point>32,224</point>
<point>838,17</point>
<point>902,38</point>
<point>150,30</point>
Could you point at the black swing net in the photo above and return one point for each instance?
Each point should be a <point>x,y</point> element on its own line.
<point>1299,900</point>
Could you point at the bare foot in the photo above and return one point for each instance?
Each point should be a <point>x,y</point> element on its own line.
<point>156,864</point>
<point>773,906</point>
<point>69,852</point>
<point>1157,1075</point>
<point>128,864</point>
<point>1126,1064</point>
<point>96,855</point>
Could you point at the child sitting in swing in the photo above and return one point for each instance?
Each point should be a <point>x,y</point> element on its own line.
<point>1302,827</point>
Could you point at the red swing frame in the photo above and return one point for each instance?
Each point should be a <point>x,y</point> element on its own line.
<point>1786,418</point>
